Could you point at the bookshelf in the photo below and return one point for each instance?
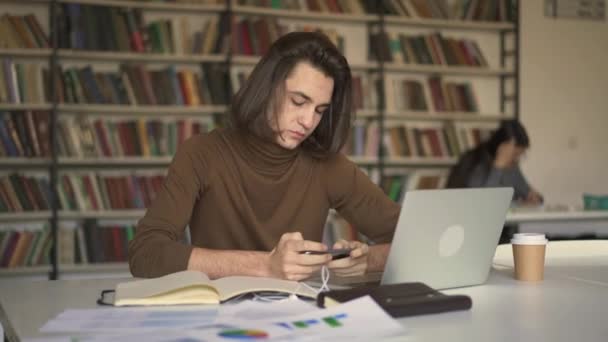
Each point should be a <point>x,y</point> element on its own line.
<point>495,87</point>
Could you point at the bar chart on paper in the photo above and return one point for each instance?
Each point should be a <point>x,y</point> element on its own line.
<point>329,321</point>
<point>244,334</point>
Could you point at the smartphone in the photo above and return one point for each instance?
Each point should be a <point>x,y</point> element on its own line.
<point>335,253</point>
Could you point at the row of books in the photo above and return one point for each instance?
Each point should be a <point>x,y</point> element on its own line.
<point>80,191</point>
<point>253,36</point>
<point>93,241</point>
<point>134,84</point>
<point>25,245</point>
<point>108,190</point>
<point>487,10</point>
<point>322,6</point>
<point>365,90</point>
<point>445,140</point>
<point>24,192</point>
<point>425,49</point>
<point>22,82</point>
<point>21,31</point>
<point>25,134</point>
<point>395,185</point>
<point>93,137</point>
<point>105,28</point>
<point>420,140</point>
<point>438,95</point>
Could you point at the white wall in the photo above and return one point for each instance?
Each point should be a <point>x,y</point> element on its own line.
<point>564,104</point>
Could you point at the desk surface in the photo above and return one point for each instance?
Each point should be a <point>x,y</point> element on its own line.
<point>561,308</point>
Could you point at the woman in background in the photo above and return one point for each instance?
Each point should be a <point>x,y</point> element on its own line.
<point>495,163</point>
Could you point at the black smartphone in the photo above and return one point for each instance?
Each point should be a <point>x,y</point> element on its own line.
<point>335,253</point>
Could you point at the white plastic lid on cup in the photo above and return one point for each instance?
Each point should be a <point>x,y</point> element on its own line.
<point>529,239</point>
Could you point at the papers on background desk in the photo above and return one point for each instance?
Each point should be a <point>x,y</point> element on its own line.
<point>360,319</point>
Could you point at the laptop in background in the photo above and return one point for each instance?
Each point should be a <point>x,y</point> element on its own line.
<point>447,238</point>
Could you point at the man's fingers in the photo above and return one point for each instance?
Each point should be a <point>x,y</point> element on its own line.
<point>311,259</point>
<point>361,250</point>
<point>305,245</point>
<point>291,236</point>
<point>300,269</point>
<point>342,263</point>
<point>340,244</point>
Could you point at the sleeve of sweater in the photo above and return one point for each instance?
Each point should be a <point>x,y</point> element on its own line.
<point>516,179</point>
<point>501,177</point>
<point>361,202</point>
<point>156,249</point>
<point>479,179</point>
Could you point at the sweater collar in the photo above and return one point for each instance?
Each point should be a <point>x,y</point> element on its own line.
<point>266,156</point>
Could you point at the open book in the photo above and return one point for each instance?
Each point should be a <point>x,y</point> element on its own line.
<point>193,287</point>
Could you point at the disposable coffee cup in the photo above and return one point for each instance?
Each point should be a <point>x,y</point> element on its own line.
<point>529,256</point>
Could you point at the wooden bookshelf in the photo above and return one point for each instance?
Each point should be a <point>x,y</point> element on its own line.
<point>150,5</point>
<point>448,70</point>
<point>25,271</point>
<point>25,106</point>
<point>367,113</point>
<point>109,267</point>
<point>420,162</point>
<point>115,161</point>
<point>252,60</point>
<point>450,24</point>
<point>105,56</point>
<point>443,116</point>
<point>25,216</point>
<point>143,110</point>
<point>25,53</point>
<point>126,214</point>
<point>24,162</point>
<point>304,14</point>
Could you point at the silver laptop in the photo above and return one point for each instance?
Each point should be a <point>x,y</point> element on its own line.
<point>447,238</point>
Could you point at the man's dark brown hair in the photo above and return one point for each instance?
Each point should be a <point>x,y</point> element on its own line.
<point>264,91</point>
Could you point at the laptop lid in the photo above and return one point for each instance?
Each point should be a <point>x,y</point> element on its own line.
<point>447,238</point>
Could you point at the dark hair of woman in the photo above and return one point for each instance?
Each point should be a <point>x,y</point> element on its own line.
<point>261,96</point>
<point>485,153</point>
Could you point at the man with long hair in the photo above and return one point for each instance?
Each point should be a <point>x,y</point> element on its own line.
<point>257,193</point>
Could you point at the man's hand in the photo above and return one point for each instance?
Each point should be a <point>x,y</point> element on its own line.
<point>534,198</point>
<point>286,261</point>
<point>355,264</point>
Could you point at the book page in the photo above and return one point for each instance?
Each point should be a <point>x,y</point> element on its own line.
<point>229,287</point>
<point>146,288</point>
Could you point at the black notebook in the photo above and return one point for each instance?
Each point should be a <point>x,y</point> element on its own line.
<point>399,300</point>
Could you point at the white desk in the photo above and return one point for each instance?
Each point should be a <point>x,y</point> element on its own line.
<point>567,223</point>
<point>557,309</point>
<point>528,216</point>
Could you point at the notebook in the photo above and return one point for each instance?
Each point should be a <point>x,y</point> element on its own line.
<point>193,287</point>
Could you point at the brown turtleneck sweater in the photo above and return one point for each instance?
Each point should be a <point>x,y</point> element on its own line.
<point>243,193</point>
